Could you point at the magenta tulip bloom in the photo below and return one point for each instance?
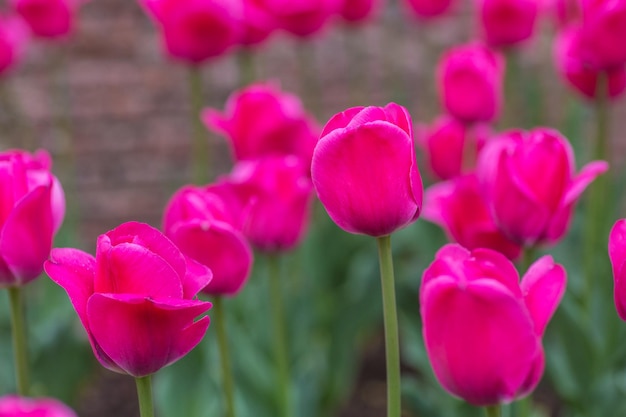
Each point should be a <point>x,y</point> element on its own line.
<point>261,120</point>
<point>469,79</point>
<point>32,206</point>
<point>602,34</point>
<point>14,406</point>
<point>48,18</point>
<point>135,299</point>
<point>451,147</point>
<point>571,66</point>
<point>359,10</point>
<point>428,8</point>
<point>303,18</point>
<point>507,22</point>
<point>258,22</point>
<point>482,327</point>
<point>199,222</point>
<point>617,253</point>
<point>13,40</point>
<point>529,182</point>
<point>196,30</point>
<point>365,172</point>
<point>459,208</point>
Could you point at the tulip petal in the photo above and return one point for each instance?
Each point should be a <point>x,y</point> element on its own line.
<point>197,277</point>
<point>543,287</point>
<point>487,263</point>
<point>142,335</point>
<point>617,254</point>
<point>446,263</point>
<point>341,120</point>
<point>435,202</point>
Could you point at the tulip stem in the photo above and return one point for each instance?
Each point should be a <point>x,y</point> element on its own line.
<point>247,71</point>
<point>222,341</point>
<point>392,349</point>
<point>280,341</point>
<point>20,347</point>
<point>200,146</point>
<point>528,258</point>
<point>493,411</point>
<point>144,393</point>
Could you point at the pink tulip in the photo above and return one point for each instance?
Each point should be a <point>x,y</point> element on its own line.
<point>482,328</point>
<point>602,34</point>
<point>198,221</point>
<point>359,10</point>
<point>451,147</point>
<point>14,406</point>
<point>278,194</point>
<point>135,299</point>
<point>32,206</point>
<point>617,253</point>
<point>529,182</point>
<point>365,172</point>
<point>582,77</point>
<point>258,22</point>
<point>261,120</point>
<point>48,18</point>
<point>428,8</point>
<point>469,79</point>
<point>196,30</point>
<point>13,40</point>
<point>303,18</point>
<point>507,22</point>
<point>459,208</point>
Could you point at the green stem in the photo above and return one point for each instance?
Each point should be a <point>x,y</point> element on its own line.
<point>280,341</point>
<point>493,411</point>
<point>247,70</point>
<point>144,393</point>
<point>392,348</point>
<point>511,80</point>
<point>20,347</point>
<point>222,340</point>
<point>528,258</point>
<point>201,150</point>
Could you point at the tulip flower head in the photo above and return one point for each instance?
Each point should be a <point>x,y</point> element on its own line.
<point>507,22</point>
<point>365,172</point>
<point>303,18</point>
<point>469,79</point>
<point>14,406</point>
<point>428,8</point>
<point>482,327</point>
<point>529,183</point>
<point>602,34</point>
<point>258,22</point>
<point>355,11</point>
<point>32,206</point>
<point>48,18</point>
<point>617,254</point>
<point>135,298</point>
<point>13,40</point>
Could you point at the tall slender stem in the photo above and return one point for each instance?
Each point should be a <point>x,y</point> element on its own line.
<point>222,340</point>
<point>528,256</point>
<point>280,340</point>
<point>493,411</point>
<point>144,393</point>
<point>20,347</point>
<point>392,349</point>
<point>200,147</point>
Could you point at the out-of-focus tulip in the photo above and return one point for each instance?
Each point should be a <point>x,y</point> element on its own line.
<point>48,18</point>
<point>529,183</point>
<point>135,299</point>
<point>566,12</point>
<point>261,120</point>
<point>358,10</point>
<point>571,66</point>
<point>507,22</point>
<point>617,253</point>
<point>469,79</point>
<point>198,221</point>
<point>303,18</point>
<point>482,328</point>
<point>258,22</point>
<point>428,8</point>
<point>459,208</point>
<point>452,147</point>
<point>365,172</point>
<point>32,206</point>
<point>13,40</point>
<point>196,30</point>
<point>602,34</point>
<point>14,406</point>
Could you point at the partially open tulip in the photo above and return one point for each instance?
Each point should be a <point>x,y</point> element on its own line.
<point>136,298</point>
<point>261,120</point>
<point>13,40</point>
<point>358,10</point>
<point>258,22</point>
<point>529,182</point>
<point>602,34</point>
<point>459,208</point>
<point>469,79</point>
<point>32,206</point>
<point>14,406</point>
<point>198,221</point>
<point>617,253</point>
<point>196,30</point>
<point>451,146</point>
<point>48,18</point>
<point>507,22</point>
<point>303,18</point>
<point>365,172</point>
<point>428,8</point>
<point>482,327</point>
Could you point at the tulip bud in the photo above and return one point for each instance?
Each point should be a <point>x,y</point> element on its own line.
<point>13,40</point>
<point>14,406</point>
<point>507,22</point>
<point>48,18</point>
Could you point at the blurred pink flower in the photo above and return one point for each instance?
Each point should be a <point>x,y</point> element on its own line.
<point>261,120</point>
<point>196,30</point>
<point>530,186</point>
<point>507,22</point>
<point>365,172</point>
<point>32,207</point>
<point>469,79</point>
<point>428,8</point>
<point>359,10</point>
<point>459,208</point>
<point>136,298</point>
<point>483,328</point>
<point>617,253</point>
<point>13,40</point>
<point>199,222</point>
<point>14,406</point>
<point>303,18</point>
<point>602,34</point>
<point>48,18</point>
<point>258,22</point>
